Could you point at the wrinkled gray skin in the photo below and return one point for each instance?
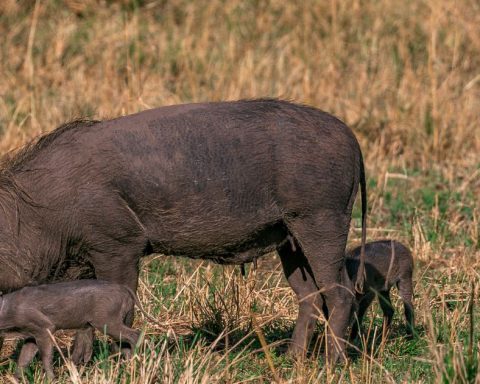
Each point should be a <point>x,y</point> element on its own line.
<point>227,181</point>
<point>388,263</point>
<point>35,311</point>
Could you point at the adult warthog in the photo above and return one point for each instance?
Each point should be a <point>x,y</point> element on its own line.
<point>227,181</point>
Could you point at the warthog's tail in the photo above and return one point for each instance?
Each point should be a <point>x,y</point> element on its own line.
<point>139,306</point>
<point>361,268</point>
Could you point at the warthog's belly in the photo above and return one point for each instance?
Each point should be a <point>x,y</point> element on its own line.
<point>257,244</point>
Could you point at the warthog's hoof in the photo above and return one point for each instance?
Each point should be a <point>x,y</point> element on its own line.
<point>296,352</point>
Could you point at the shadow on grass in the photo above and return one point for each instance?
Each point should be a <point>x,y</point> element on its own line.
<point>278,333</point>
<point>397,340</point>
<point>218,337</point>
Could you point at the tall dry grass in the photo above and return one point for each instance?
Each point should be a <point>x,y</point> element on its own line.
<point>404,75</point>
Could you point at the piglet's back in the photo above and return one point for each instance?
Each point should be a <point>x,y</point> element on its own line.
<point>383,258</point>
<point>68,305</point>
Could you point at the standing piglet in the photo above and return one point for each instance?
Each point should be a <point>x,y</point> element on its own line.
<point>387,263</point>
<point>37,312</point>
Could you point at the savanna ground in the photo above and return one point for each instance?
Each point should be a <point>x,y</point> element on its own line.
<point>403,74</point>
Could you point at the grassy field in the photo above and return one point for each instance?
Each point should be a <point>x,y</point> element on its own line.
<point>403,75</point>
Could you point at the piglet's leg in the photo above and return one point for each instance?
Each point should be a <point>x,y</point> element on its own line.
<point>387,308</point>
<point>127,320</point>
<point>364,303</point>
<point>42,330</point>
<point>121,332</point>
<point>28,352</point>
<point>405,290</point>
<point>83,346</point>
<point>45,345</point>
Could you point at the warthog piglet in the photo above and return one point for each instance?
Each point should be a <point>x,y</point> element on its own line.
<point>38,311</point>
<point>387,263</point>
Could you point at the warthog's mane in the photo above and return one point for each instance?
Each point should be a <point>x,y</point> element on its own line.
<point>13,160</point>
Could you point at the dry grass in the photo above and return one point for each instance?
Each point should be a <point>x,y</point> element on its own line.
<point>403,75</point>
